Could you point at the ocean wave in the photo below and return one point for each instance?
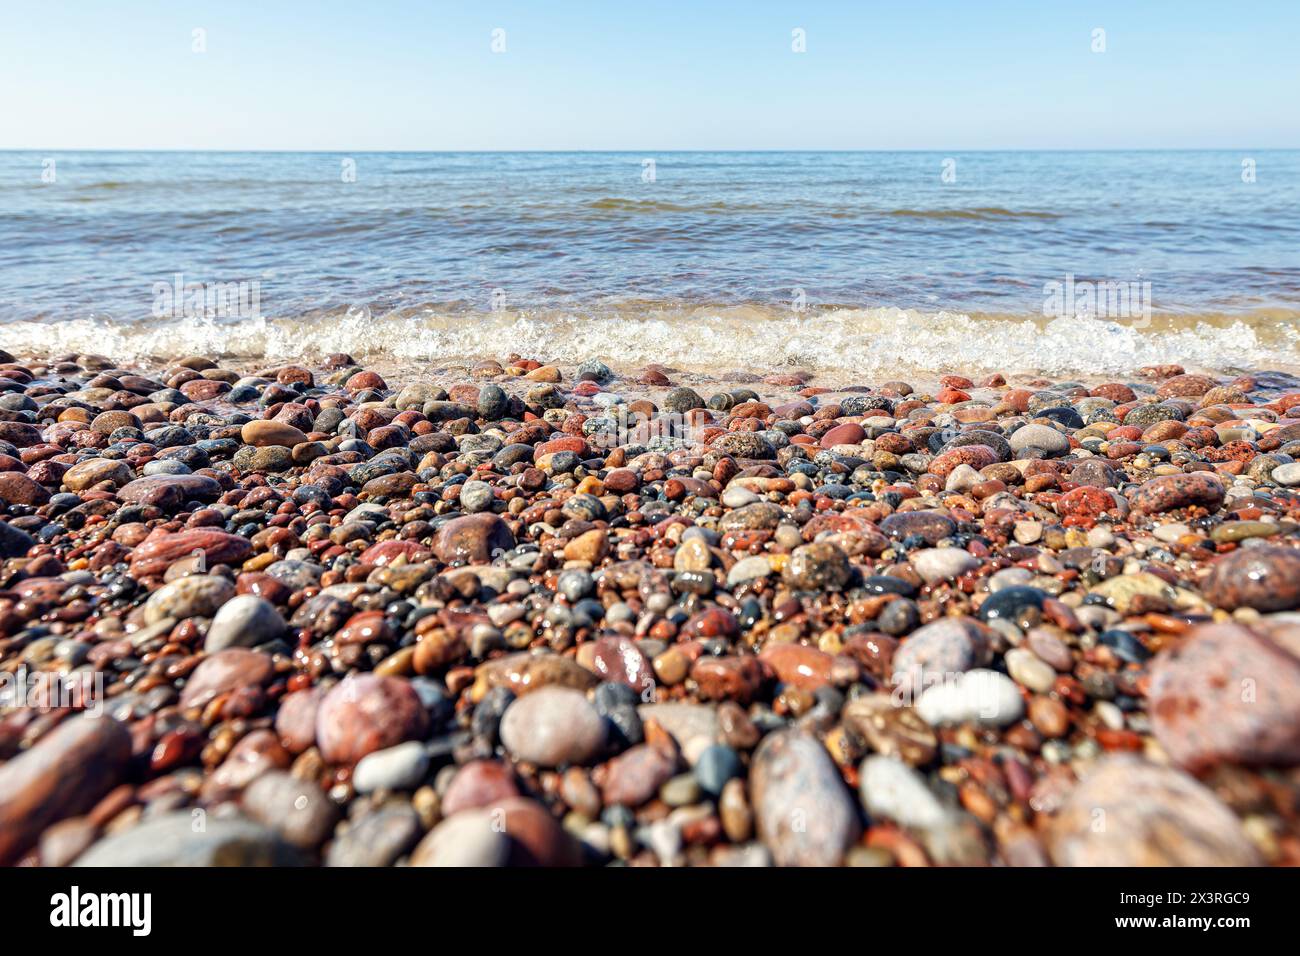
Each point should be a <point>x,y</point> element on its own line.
<point>984,213</point>
<point>842,343</point>
<point>622,204</point>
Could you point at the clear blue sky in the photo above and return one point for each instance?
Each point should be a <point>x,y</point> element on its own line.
<point>639,74</point>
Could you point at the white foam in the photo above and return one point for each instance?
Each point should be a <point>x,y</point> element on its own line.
<point>848,342</point>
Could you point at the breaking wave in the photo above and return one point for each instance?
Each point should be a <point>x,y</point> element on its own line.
<point>841,342</point>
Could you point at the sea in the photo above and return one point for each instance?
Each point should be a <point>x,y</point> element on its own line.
<point>844,263</point>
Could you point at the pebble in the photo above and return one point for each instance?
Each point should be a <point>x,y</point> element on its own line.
<point>379,838</point>
<point>552,727</point>
<point>199,595</point>
<point>174,839</point>
<point>894,791</point>
<point>245,620</point>
<point>62,775</point>
<point>472,838</point>
<point>233,670</point>
<point>1029,670</point>
<point>982,697</point>
<point>1130,813</point>
<point>938,650</point>
<point>471,594</point>
<point>472,539</point>
<point>1229,693</point>
<point>402,767</point>
<point>365,713</point>
<point>1042,437</point>
<point>1266,578</point>
<point>943,564</point>
<point>479,783</point>
<point>297,809</point>
<point>1171,492</point>
<point>803,811</point>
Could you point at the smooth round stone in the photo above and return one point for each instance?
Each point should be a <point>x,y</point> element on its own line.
<point>479,783</point>
<point>1050,648</point>
<point>682,400</point>
<point>244,621</point>
<point>172,839</point>
<point>198,595</point>
<point>297,809</point>
<point>715,766</point>
<point>888,584</point>
<point>737,496</point>
<point>472,539</point>
<point>634,776</point>
<point>680,791</point>
<point>962,478</point>
<point>979,696</point>
<point>62,775</point>
<point>1170,492</point>
<point>1127,812</point>
<point>1009,578</point>
<point>848,433</point>
<point>1287,475</point>
<point>493,402</point>
<point>1124,645</point>
<point>576,585</point>
<point>893,790</point>
<point>1263,577</point>
<point>396,768</point>
<point>14,543</point>
<point>818,566</point>
<point>553,726</point>
<point>87,474</point>
<point>1010,603</point>
<point>1232,531</point>
<point>804,813</point>
<point>1029,670</point>
<point>943,564</point>
<point>1228,693</point>
<point>476,496</point>
<point>264,433</point>
<point>693,554</point>
<point>759,516</point>
<point>377,839</point>
<point>296,574</point>
<point>749,569</point>
<point>620,660</point>
<point>939,650</point>
<point>929,525</point>
<point>1044,437</point>
<point>468,838</point>
<point>364,713</point>
<point>166,466</point>
<point>234,669</point>
<point>256,753</point>
<point>1169,533</point>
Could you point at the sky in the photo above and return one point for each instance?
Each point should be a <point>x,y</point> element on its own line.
<point>665,75</point>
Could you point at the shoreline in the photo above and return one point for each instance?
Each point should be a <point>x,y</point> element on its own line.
<point>840,345</point>
<point>360,614</point>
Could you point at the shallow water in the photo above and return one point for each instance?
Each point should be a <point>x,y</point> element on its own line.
<point>848,263</point>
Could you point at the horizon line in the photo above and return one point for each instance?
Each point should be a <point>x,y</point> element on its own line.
<point>910,149</point>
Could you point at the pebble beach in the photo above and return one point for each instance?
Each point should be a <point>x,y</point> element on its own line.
<point>523,613</point>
